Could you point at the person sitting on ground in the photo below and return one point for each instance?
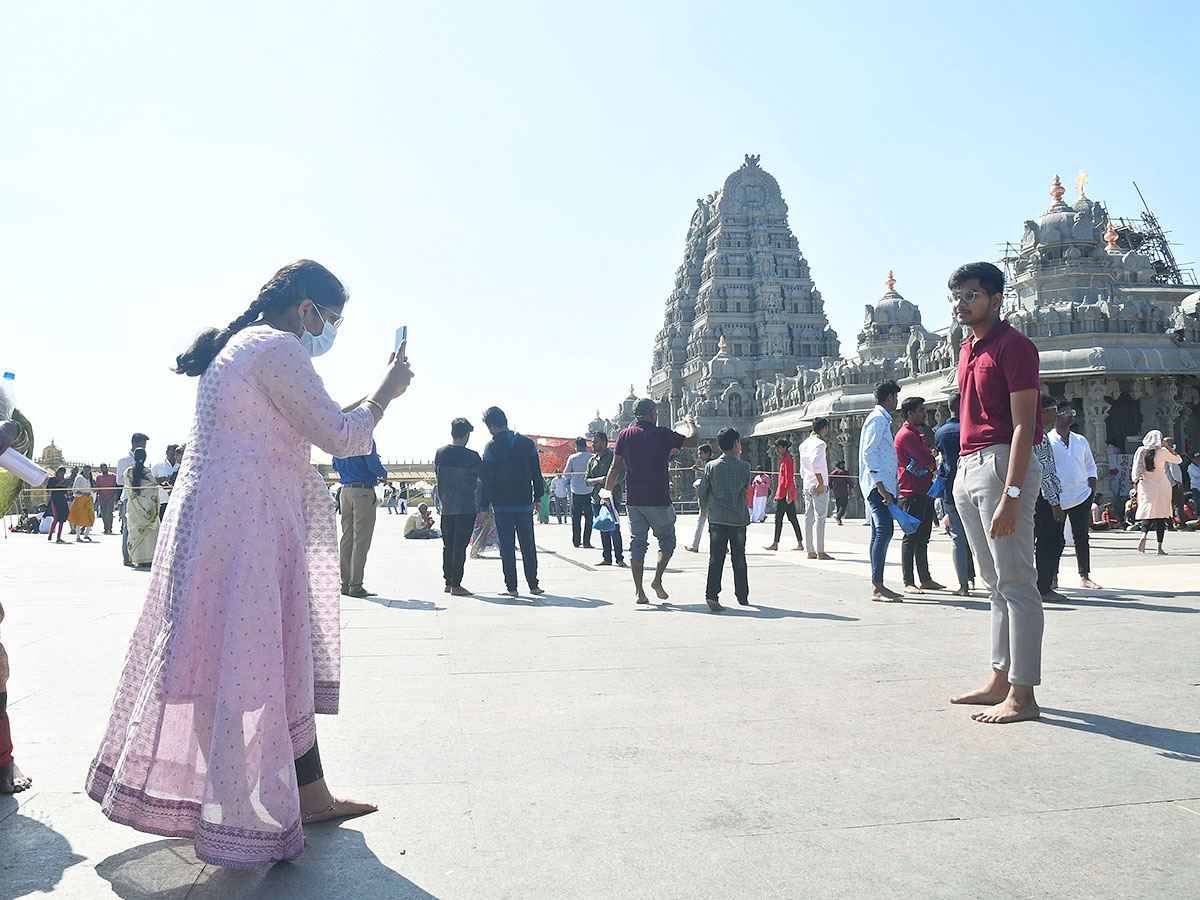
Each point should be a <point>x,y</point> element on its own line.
<point>1099,523</point>
<point>419,525</point>
<point>1131,511</point>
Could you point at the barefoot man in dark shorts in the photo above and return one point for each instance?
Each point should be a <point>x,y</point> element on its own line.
<point>996,487</point>
<point>642,451</point>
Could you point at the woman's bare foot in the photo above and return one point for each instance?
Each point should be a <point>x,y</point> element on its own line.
<point>1142,545</point>
<point>657,587</point>
<point>317,804</point>
<point>1161,552</point>
<point>1018,706</point>
<point>13,780</point>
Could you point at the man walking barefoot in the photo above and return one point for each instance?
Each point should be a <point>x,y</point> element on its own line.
<point>512,487</point>
<point>722,487</point>
<point>703,455</point>
<point>642,452</point>
<point>785,495</point>
<point>814,474</point>
<point>916,464</point>
<point>877,474</point>
<point>997,487</point>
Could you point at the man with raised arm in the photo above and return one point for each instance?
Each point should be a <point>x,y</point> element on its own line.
<point>997,486</point>
<point>642,452</point>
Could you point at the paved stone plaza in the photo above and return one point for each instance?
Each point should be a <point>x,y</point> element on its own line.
<point>580,747</point>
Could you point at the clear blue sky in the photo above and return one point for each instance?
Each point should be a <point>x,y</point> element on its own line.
<point>514,181</point>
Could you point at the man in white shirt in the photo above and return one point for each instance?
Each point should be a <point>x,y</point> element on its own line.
<point>1193,471</point>
<point>581,493</point>
<point>1076,469</point>
<point>161,472</point>
<point>879,479</point>
<point>137,442</point>
<point>814,470</point>
<point>560,491</point>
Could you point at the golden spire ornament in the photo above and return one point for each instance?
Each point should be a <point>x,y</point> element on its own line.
<point>1110,237</point>
<point>1080,181</point>
<point>721,345</point>
<point>1057,191</point>
<point>891,282</point>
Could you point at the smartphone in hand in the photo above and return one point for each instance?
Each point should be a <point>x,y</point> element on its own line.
<point>401,337</point>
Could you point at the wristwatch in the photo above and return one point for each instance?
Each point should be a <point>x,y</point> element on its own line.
<point>1013,491</point>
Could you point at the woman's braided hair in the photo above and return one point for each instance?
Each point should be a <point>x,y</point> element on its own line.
<point>297,281</point>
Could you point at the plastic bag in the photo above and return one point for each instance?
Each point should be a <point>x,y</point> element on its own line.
<point>605,520</point>
<point>908,524</point>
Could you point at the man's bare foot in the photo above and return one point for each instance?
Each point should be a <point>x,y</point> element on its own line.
<point>692,549</point>
<point>460,591</point>
<point>812,555</point>
<point>886,591</point>
<point>932,586</point>
<point>824,556</point>
<point>1012,708</point>
<point>508,593</point>
<point>877,596</point>
<point>798,547</point>
<point>642,600</point>
<point>337,809</point>
<point>971,583</point>
<point>657,587</point>
<point>13,780</point>
<point>1086,582</point>
<point>963,591</point>
<point>912,589</point>
<point>771,547</point>
<point>987,696</point>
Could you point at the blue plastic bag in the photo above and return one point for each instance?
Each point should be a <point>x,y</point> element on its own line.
<point>937,490</point>
<point>908,524</point>
<point>605,521</point>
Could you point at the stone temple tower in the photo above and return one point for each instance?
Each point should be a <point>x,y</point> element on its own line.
<point>744,308</point>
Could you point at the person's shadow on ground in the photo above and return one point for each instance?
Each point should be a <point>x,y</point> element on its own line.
<point>427,605</point>
<point>336,863</point>
<point>753,611</point>
<point>544,600</point>
<point>1181,745</point>
<point>34,855</point>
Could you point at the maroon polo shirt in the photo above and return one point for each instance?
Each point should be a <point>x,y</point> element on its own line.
<point>989,371</point>
<point>646,448</point>
<point>913,453</point>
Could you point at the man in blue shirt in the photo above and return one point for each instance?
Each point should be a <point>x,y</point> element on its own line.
<point>359,475</point>
<point>880,482</point>
<point>512,487</point>
<point>946,439</point>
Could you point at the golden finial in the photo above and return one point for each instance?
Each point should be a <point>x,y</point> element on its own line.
<point>891,282</point>
<point>631,391</point>
<point>1080,181</point>
<point>721,345</point>
<point>1110,236</point>
<point>1057,191</point>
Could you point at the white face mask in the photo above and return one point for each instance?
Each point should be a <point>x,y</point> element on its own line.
<point>320,343</point>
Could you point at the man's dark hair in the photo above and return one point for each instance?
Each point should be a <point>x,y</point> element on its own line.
<point>580,444</point>
<point>705,448</point>
<point>910,405</point>
<point>494,417</point>
<point>138,438</point>
<point>990,278</point>
<point>1049,402</point>
<point>841,464</point>
<point>954,403</point>
<point>784,443</point>
<point>726,438</point>
<point>171,448</point>
<point>818,423</point>
<point>1099,496</point>
<point>460,427</point>
<point>884,390</point>
<point>599,436</point>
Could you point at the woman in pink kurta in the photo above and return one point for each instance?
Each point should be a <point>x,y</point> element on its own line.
<point>1153,488</point>
<point>212,735</point>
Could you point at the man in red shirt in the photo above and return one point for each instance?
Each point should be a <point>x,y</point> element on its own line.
<point>785,495</point>
<point>997,486</point>
<point>917,464</point>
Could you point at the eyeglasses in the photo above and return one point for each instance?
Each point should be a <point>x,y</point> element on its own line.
<point>334,319</point>
<point>967,296</point>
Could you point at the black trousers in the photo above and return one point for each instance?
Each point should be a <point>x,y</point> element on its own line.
<point>456,535</point>
<point>1159,526</point>
<point>308,766</point>
<point>1047,544</point>
<point>915,547</point>
<point>581,508</point>
<point>1177,503</point>
<point>1081,524</point>
<point>729,539</point>
<point>784,508</point>
<point>840,504</point>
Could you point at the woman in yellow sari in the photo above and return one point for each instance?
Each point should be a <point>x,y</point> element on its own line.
<point>141,511</point>
<point>83,508</point>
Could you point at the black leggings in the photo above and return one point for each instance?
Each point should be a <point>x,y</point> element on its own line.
<point>788,508</point>
<point>1159,526</point>
<point>308,767</point>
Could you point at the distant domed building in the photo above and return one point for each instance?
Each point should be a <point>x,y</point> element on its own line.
<point>746,341</point>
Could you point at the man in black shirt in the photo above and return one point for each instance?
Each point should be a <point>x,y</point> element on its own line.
<point>457,471</point>
<point>512,487</point>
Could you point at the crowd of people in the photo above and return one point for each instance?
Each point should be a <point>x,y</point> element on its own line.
<point>222,746</point>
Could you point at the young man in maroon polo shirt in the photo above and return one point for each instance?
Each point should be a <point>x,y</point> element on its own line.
<point>996,487</point>
<point>917,464</point>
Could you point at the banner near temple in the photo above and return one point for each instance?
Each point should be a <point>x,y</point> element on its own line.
<point>553,452</point>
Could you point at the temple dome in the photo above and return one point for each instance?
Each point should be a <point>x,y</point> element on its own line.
<point>725,366</point>
<point>893,309</point>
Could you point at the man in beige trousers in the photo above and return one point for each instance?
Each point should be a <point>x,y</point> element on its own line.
<point>359,475</point>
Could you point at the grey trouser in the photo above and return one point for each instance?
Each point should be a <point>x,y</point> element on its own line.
<point>124,536</point>
<point>701,525</point>
<point>1006,565</point>
<point>358,525</point>
<point>816,508</point>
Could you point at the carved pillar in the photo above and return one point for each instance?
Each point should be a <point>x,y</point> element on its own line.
<point>1096,405</point>
<point>1168,408</point>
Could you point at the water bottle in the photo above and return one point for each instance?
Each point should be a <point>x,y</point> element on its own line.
<point>8,396</point>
